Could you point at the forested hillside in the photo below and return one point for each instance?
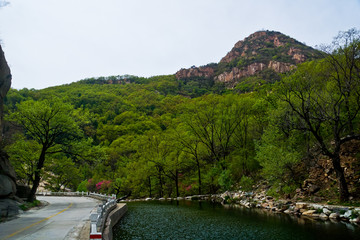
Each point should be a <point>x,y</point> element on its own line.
<point>268,111</point>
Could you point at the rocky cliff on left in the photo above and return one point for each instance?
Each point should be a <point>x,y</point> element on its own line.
<point>8,205</point>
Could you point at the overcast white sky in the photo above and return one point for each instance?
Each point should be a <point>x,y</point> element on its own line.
<point>53,42</point>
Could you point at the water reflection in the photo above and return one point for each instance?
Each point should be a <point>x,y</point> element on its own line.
<point>204,220</point>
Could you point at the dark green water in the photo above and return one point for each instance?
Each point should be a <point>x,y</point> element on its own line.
<point>203,220</point>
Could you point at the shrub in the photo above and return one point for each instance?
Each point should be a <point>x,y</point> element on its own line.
<point>354,215</point>
<point>288,189</point>
<point>225,180</point>
<point>246,183</point>
<point>273,192</point>
<point>90,185</point>
<point>82,186</point>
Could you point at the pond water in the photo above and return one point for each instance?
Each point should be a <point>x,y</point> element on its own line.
<point>204,220</point>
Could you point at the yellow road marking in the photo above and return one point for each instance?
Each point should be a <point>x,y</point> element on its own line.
<point>34,224</point>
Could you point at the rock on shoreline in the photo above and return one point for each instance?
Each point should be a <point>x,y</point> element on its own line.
<point>305,209</point>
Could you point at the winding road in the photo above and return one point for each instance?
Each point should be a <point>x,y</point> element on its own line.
<point>63,218</point>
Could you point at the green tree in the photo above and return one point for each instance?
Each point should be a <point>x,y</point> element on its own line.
<point>190,145</point>
<point>60,173</point>
<point>214,121</point>
<point>324,98</point>
<point>50,124</point>
<point>277,154</point>
<point>155,151</point>
<point>23,156</point>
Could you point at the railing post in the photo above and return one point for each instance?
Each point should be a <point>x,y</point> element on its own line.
<point>99,209</point>
<point>94,234</point>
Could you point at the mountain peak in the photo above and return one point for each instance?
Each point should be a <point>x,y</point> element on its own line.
<point>266,40</point>
<point>259,51</point>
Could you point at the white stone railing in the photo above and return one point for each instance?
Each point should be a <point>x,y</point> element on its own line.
<point>49,193</point>
<point>89,194</point>
<point>102,196</point>
<point>98,219</point>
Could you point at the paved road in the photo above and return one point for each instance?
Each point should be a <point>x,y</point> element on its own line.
<point>61,219</point>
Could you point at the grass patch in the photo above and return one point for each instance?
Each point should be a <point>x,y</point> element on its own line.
<point>354,215</point>
<point>350,204</point>
<point>319,210</point>
<point>27,205</point>
<point>346,204</point>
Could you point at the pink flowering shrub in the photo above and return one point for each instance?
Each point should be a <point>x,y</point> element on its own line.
<point>103,186</point>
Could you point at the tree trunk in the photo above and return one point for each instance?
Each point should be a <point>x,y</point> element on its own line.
<point>199,175</point>
<point>177,182</point>
<point>161,184</point>
<point>343,188</point>
<point>37,178</point>
<point>245,171</point>
<point>350,122</point>
<point>150,187</point>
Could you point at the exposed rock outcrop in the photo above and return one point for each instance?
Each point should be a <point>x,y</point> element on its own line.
<point>237,73</point>
<point>252,69</point>
<point>193,72</point>
<point>260,51</point>
<point>8,206</point>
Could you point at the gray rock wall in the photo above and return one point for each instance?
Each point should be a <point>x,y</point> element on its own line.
<point>8,205</point>
<point>5,82</point>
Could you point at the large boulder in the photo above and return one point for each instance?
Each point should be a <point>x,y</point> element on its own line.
<point>5,166</point>
<point>334,216</point>
<point>326,211</point>
<point>309,213</point>
<point>8,208</point>
<point>7,186</point>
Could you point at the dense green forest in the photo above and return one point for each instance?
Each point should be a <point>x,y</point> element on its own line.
<point>165,137</point>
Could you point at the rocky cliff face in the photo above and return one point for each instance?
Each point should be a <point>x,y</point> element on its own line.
<point>235,74</point>
<point>5,82</point>
<point>260,51</point>
<point>8,207</point>
<point>193,72</point>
